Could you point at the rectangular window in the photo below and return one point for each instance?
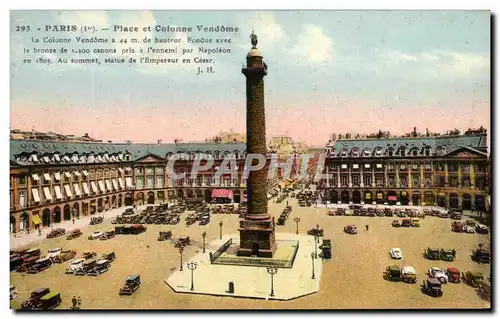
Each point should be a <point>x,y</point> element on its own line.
<point>199,179</point>
<point>208,180</point>
<point>355,180</point>
<point>466,181</point>
<point>128,171</point>
<point>344,180</point>
<point>22,179</point>
<point>180,182</point>
<point>403,182</point>
<point>379,180</point>
<point>151,182</point>
<point>390,167</point>
<point>480,182</point>
<point>391,180</point>
<point>159,181</point>
<point>428,181</point>
<point>453,181</point>
<point>159,170</point>
<point>367,180</point>
<point>427,166</point>
<point>416,180</point>
<point>440,181</point>
<point>452,167</point>
<point>465,168</point>
<point>149,171</point>
<point>139,182</point>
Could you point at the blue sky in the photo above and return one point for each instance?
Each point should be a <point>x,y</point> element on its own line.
<point>329,71</point>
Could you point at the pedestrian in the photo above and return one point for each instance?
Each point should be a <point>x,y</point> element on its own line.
<point>454,252</point>
<point>73,220</point>
<point>367,227</point>
<point>74,301</point>
<point>39,231</point>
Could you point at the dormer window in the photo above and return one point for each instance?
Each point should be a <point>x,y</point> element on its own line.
<point>366,152</point>
<point>441,150</point>
<point>427,151</point>
<point>402,151</point>
<point>355,152</point>
<point>390,152</point>
<point>378,151</point>
<point>414,151</point>
<point>343,153</point>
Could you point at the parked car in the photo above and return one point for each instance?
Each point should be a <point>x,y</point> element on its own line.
<point>107,235</point>
<point>482,229</point>
<point>85,268</point>
<point>432,253</point>
<point>132,283</point>
<point>457,227</point>
<point>409,274</point>
<point>56,233</point>
<point>182,241</point>
<point>481,256</point>
<point>100,267</point>
<point>396,223</point>
<point>50,301</point>
<point>40,265</point>
<point>75,264</point>
<point>439,274</point>
<point>468,229</point>
<point>33,301</point>
<point>75,233</point>
<point>396,253</point>
<point>432,287</point>
<point>473,278</point>
<point>64,256</point>
<point>393,273</point>
<point>96,234</point>
<point>415,223</point>
<point>453,274</point>
<point>406,222</point>
<point>109,256</point>
<point>447,254</point>
<point>51,253</point>
<point>88,255</point>
<point>351,229</point>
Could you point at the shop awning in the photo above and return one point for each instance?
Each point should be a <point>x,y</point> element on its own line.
<point>115,184</point>
<point>380,196</point>
<point>46,176</point>
<point>46,192</point>
<point>392,198</point>
<point>404,193</point>
<point>222,193</point>
<point>85,173</point>
<point>128,180</point>
<point>94,187</point>
<point>86,188</point>
<point>68,191</point>
<point>57,176</point>
<point>35,177</point>
<point>121,183</point>
<point>108,185</point>
<point>57,190</point>
<point>368,195</point>
<point>101,186</point>
<point>67,174</point>
<point>36,220</point>
<point>77,189</point>
<point>36,198</point>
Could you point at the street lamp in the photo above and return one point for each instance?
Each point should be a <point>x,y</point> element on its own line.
<point>192,266</point>
<point>317,233</point>
<point>204,234</point>
<point>312,261</point>
<point>220,224</point>
<point>315,246</point>
<point>181,250</point>
<point>272,271</point>
<point>297,220</point>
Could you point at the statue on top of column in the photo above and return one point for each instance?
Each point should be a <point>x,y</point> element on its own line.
<point>253,37</point>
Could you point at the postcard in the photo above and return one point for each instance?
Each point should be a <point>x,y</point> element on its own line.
<point>226,160</point>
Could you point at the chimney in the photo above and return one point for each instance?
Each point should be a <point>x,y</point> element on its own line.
<point>414,131</point>
<point>427,131</point>
<point>86,135</point>
<point>110,141</point>
<point>159,141</point>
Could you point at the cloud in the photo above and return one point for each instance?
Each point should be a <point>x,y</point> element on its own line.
<point>313,44</point>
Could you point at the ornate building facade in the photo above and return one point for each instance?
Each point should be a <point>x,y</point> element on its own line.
<point>449,170</point>
<point>54,181</point>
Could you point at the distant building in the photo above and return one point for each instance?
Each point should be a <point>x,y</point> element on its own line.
<point>50,136</point>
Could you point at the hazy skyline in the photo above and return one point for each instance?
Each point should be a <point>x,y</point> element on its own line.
<point>329,72</point>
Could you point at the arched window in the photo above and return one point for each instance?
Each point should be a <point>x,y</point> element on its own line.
<point>367,152</point>
<point>378,151</point>
<point>343,152</point>
<point>414,151</point>
<point>390,152</point>
<point>427,151</point>
<point>402,151</point>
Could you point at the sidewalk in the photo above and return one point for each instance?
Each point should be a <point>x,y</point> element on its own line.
<point>25,239</point>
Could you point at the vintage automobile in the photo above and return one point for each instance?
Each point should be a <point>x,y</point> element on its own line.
<point>12,292</point>
<point>432,253</point>
<point>482,229</point>
<point>96,220</point>
<point>396,253</point>
<point>107,235</point>
<point>137,229</point>
<point>456,215</point>
<point>473,278</point>
<point>468,229</point>
<point>109,256</point>
<point>406,222</point>
<point>415,223</point>
<point>447,254</point>
<point>470,222</point>
<point>34,299</point>
<point>351,229</point>
<point>432,287</point>
<point>50,301</point>
<point>56,233</point>
<point>182,241</point>
<point>396,223</point>
<point>453,274</point>
<point>100,267</point>
<point>85,268</point>
<point>64,256</point>
<point>51,253</point>
<point>409,274</point>
<point>96,234</point>
<point>132,283</point>
<point>481,256</point>
<point>40,265</point>
<point>88,255</point>
<point>128,211</point>
<point>457,227</point>
<point>393,273</point>
<point>164,235</point>
<point>315,232</point>
<point>27,263</point>
<point>326,249</point>
<point>75,233</point>
<point>439,274</point>
<point>75,264</point>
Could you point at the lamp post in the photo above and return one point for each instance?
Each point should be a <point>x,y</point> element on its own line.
<point>297,220</point>
<point>315,246</point>
<point>204,234</point>
<point>312,262</point>
<point>181,250</point>
<point>317,233</point>
<point>52,221</point>
<point>272,271</point>
<point>192,266</point>
<point>220,224</point>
